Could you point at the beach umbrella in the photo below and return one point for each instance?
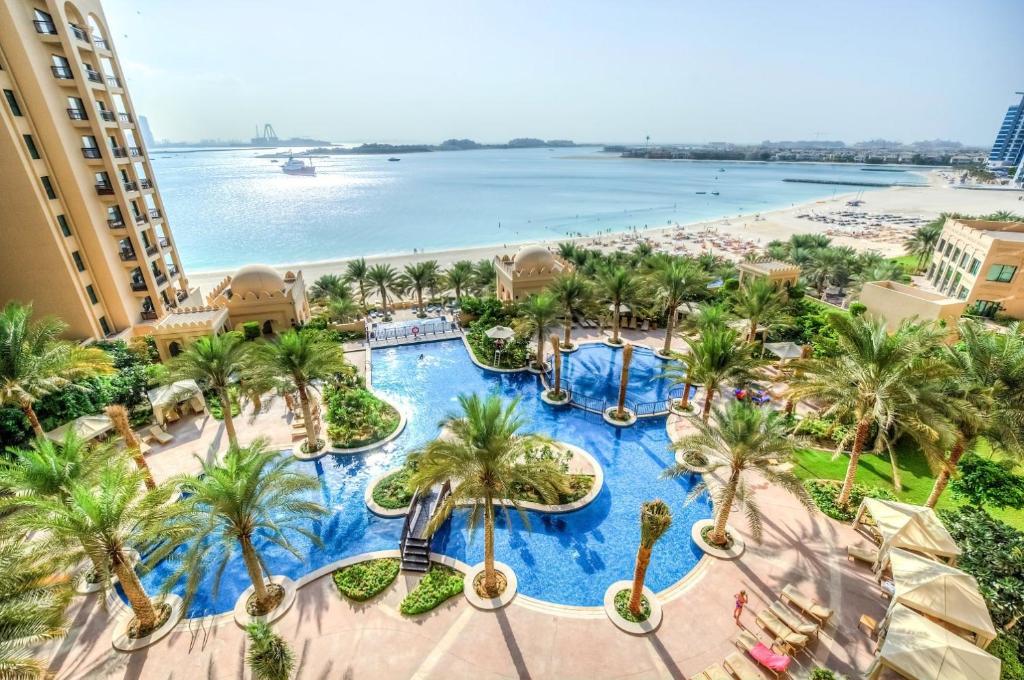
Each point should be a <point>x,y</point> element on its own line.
<point>623,308</point>
<point>500,333</point>
<point>785,350</point>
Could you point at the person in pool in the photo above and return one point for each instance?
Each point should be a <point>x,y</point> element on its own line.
<point>741,600</point>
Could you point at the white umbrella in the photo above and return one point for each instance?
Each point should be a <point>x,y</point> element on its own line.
<point>500,333</point>
<point>623,308</point>
<point>785,350</point>
<point>86,427</point>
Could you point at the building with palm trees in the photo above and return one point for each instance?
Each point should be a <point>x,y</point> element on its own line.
<point>780,273</point>
<point>531,271</point>
<point>896,302</point>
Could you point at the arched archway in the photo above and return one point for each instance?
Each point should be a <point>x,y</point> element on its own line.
<point>174,349</point>
<point>268,327</point>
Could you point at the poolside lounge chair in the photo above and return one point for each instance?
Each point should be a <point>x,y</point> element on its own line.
<point>806,604</point>
<point>793,620</point>
<point>160,435</point>
<point>785,635</point>
<point>744,669</point>
<point>856,552</point>
<point>713,672</point>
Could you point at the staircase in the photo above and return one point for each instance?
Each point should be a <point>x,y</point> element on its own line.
<point>415,543</point>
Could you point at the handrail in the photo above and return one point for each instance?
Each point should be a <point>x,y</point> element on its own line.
<point>413,505</point>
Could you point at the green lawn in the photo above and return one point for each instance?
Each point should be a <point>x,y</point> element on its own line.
<point>876,471</point>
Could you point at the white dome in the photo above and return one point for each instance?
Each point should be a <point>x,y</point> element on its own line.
<point>533,257</point>
<point>256,278</point>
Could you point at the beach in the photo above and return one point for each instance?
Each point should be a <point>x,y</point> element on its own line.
<point>730,236</point>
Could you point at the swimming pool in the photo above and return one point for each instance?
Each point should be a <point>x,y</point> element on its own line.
<point>569,558</point>
<point>594,370</point>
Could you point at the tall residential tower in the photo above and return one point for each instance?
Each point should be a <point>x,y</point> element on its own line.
<point>1008,149</point>
<point>83,233</point>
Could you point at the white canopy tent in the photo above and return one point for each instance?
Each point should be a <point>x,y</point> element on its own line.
<point>941,592</point>
<point>785,350</point>
<point>918,649</point>
<point>86,427</point>
<point>167,397</point>
<point>914,527</point>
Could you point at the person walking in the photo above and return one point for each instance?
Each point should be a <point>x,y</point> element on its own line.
<point>741,601</point>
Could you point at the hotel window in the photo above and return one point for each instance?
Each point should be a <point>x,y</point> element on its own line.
<point>963,260</point>
<point>942,244</point>
<point>12,101</point>
<point>65,228</point>
<point>31,145</point>
<point>104,325</point>
<point>48,188</point>
<point>975,264</point>
<point>956,282</point>
<point>1001,273</point>
<point>92,294</point>
<point>949,248</point>
<point>985,308</point>
<point>963,293</point>
<point>956,255</point>
<point>931,270</point>
<point>78,261</point>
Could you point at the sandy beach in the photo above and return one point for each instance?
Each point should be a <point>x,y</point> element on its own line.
<point>895,210</point>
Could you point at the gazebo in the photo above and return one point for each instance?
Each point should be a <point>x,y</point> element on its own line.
<point>166,398</point>
<point>914,527</point>
<point>940,592</point>
<point>86,427</point>
<point>918,649</point>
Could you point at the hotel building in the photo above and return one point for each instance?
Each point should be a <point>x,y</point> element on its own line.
<point>1008,149</point>
<point>979,262</point>
<point>83,233</point>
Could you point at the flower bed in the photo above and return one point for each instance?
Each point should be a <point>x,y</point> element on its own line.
<point>364,580</point>
<point>357,417</point>
<point>217,410</point>
<point>392,492</point>
<point>439,584</point>
<point>824,491</point>
<point>622,607</point>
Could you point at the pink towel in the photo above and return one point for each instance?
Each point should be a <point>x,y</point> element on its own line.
<point>769,659</point>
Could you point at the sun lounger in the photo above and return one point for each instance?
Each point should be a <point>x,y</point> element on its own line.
<point>713,672</point>
<point>806,604</point>
<point>856,552</point>
<point>793,620</point>
<point>783,633</point>
<point>746,642</point>
<point>159,435</point>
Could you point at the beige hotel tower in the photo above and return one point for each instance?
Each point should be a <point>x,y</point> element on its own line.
<point>83,235</point>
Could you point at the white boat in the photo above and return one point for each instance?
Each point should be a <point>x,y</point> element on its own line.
<point>295,166</point>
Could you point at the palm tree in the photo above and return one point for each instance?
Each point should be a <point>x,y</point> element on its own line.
<point>655,519</point>
<point>357,272</point>
<point>673,284</point>
<point>459,277</point>
<point>301,358</point>
<point>420,275</point>
<point>706,317</point>
<point>269,657</point>
<point>759,300</point>
<point>32,608</point>
<point>218,362</point>
<point>618,286</point>
<point>104,522</point>
<point>627,357</point>
<point>827,265</point>
<point>119,417</point>
<point>48,469</point>
<point>254,492</point>
<point>556,353</point>
<point>329,286</point>
<point>924,239</point>
<point>744,438</point>
<point>988,382</point>
<point>384,279</point>
<point>573,293</point>
<point>885,271</point>
<point>35,362</point>
<point>539,315</point>
<point>483,453</point>
<point>485,276</point>
<point>715,358</point>
<point>879,379</point>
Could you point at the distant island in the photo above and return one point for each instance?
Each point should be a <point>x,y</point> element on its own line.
<point>446,145</point>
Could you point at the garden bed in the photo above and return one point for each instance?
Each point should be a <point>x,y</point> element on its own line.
<point>824,492</point>
<point>362,581</point>
<point>622,607</point>
<point>439,584</point>
<point>392,492</point>
<point>356,417</point>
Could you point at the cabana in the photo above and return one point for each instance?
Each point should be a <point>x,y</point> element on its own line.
<point>785,350</point>
<point>86,427</point>
<point>940,592</point>
<point>168,398</point>
<point>918,649</point>
<point>914,527</point>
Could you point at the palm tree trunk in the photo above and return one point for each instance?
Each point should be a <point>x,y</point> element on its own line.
<point>643,558</point>
<point>133,589</point>
<point>419,302</point>
<point>686,390</point>
<point>490,578</point>
<point>255,569</point>
<point>863,428</point>
<point>753,330</point>
<point>362,294</point>
<point>557,360</point>
<point>458,293</point>
<point>709,394</point>
<point>616,323</point>
<point>540,349</point>
<point>627,357</point>
<point>718,535</point>
<point>119,416</point>
<point>33,419</point>
<point>955,454</point>
<point>307,415</point>
<point>229,420</point>
<point>670,326</point>
<point>567,342</point>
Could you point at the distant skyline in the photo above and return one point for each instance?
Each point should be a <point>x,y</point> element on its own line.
<point>596,70</point>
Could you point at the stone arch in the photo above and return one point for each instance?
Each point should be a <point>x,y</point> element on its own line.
<point>99,29</point>
<point>268,327</point>
<point>174,348</point>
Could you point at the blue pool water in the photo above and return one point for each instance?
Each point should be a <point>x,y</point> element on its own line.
<point>569,558</point>
<point>595,369</point>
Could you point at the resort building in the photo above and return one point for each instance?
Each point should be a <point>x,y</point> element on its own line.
<point>1008,149</point>
<point>978,262</point>
<point>531,271</point>
<point>85,237</point>
<point>895,303</point>
<point>780,273</point>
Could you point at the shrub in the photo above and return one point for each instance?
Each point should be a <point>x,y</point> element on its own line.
<point>823,430</point>
<point>364,580</point>
<point>251,330</point>
<point>216,408</point>
<point>392,492</point>
<point>987,482</point>
<point>1008,650</point>
<point>856,309</point>
<point>824,491</point>
<point>269,656</point>
<point>357,417</point>
<point>819,673</point>
<point>440,583</point>
<point>622,606</point>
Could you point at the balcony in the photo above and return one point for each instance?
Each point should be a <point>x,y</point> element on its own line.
<point>181,295</point>
<point>172,270</point>
<point>79,32</point>
<point>145,184</point>
<point>93,76</point>
<point>107,116</point>
<point>118,152</point>
<point>104,189</point>
<point>160,279</point>
<point>91,152</point>
<point>115,223</point>
<point>62,72</point>
<point>126,118</point>
<point>127,256</point>
<point>155,213</point>
<point>100,43</point>
<point>138,286</point>
<point>134,151</point>
<point>78,114</point>
<point>164,242</point>
<point>151,250</point>
<point>45,27</point>
<point>149,315</point>
<point>130,186</point>
<point>140,218</point>
<point>113,81</point>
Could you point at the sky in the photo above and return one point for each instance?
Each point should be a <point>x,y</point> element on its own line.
<point>588,70</point>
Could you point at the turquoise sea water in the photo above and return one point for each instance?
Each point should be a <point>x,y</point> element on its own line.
<point>229,208</point>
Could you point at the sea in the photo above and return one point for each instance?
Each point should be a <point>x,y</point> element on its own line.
<point>231,207</point>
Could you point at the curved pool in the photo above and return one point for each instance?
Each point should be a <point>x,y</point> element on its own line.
<point>594,370</point>
<point>568,558</point>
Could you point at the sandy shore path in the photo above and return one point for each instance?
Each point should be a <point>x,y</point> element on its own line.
<point>749,230</point>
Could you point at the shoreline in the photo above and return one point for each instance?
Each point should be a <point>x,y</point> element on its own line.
<point>753,229</point>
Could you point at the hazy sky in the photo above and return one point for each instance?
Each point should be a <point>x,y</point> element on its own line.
<point>593,70</point>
